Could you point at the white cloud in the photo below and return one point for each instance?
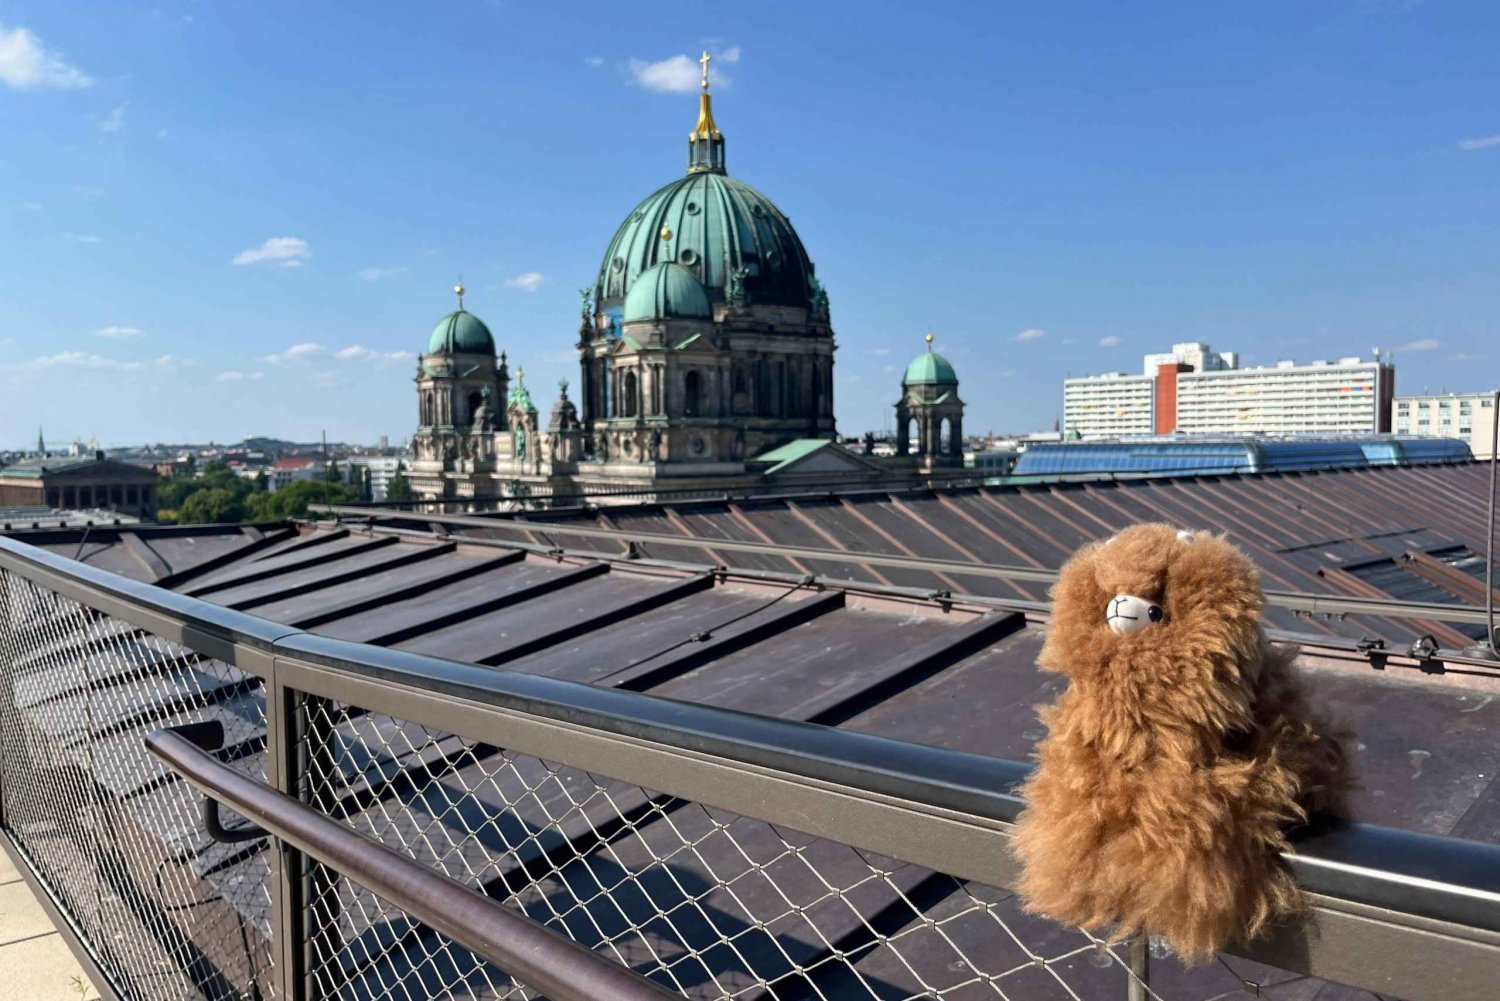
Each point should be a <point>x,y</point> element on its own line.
<point>1031,334</point>
<point>527,281</point>
<point>373,274</point>
<point>881,351</point>
<point>90,190</point>
<point>1109,342</point>
<point>1480,142</point>
<point>278,251</point>
<point>1464,356</point>
<point>30,206</point>
<point>118,333</point>
<point>1425,344</point>
<point>311,351</point>
<point>595,61</point>
<point>81,237</point>
<point>680,74</point>
<point>233,376</point>
<point>888,369</point>
<point>25,65</point>
<point>88,361</point>
<point>161,133</point>
<point>114,121</point>
<point>297,352</point>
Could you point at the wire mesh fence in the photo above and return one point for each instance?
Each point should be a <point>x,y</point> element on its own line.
<point>114,839</point>
<point>709,903</point>
<point>706,902</point>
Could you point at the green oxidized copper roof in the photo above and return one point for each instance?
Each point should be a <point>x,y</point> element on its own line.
<point>718,225</point>
<point>520,395</point>
<point>667,290</point>
<point>930,369</point>
<point>461,332</point>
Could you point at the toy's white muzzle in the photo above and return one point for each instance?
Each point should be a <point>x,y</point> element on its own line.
<point>1128,614</point>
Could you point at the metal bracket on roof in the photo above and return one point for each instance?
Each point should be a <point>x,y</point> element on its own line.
<point>1369,644</point>
<point>1425,648</point>
<point>633,550</point>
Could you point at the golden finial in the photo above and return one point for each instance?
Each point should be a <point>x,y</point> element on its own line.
<point>704,60</point>
<point>928,338</point>
<point>458,290</point>
<point>666,233</point>
<point>520,375</point>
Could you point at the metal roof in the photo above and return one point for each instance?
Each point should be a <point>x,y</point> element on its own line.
<point>900,654</point>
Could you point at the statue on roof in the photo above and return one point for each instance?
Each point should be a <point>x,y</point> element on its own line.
<point>819,297</point>
<point>736,294</point>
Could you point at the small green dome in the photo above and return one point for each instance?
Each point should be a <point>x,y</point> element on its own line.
<point>930,369</point>
<point>666,291</point>
<point>461,332</point>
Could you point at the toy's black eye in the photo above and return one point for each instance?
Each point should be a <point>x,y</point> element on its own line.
<point>1154,613</point>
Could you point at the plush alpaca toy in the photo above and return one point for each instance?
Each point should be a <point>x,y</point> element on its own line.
<point>1179,754</point>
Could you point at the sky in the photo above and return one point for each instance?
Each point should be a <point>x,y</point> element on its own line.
<point>221,219</point>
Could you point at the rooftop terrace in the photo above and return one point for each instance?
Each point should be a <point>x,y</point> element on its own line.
<point>749,749</point>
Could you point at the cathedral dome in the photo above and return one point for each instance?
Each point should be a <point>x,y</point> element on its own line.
<point>667,291</point>
<point>930,369</point>
<point>461,332</point>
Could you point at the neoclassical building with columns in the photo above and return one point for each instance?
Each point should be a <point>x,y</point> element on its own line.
<point>706,355</point>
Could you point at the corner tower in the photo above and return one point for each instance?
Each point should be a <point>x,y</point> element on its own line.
<point>706,337</point>
<point>930,415</point>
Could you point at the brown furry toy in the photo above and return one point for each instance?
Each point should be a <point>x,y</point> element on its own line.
<point>1178,756</point>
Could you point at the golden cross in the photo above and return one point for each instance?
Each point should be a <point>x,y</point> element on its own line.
<point>704,60</point>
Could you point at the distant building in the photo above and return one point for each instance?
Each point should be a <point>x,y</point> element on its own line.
<point>1109,405</point>
<point>1468,417</point>
<point>76,483</point>
<point>1195,390</point>
<point>382,468</point>
<point>289,471</point>
<point>1177,455</point>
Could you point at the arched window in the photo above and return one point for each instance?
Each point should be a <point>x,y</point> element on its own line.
<point>914,436</point>
<point>630,395</point>
<point>475,402</point>
<point>692,395</point>
<point>945,441</point>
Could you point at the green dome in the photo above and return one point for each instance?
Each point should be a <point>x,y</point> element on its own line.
<point>718,225</point>
<point>929,369</point>
<point>667,291</point>
<point>461,332</point>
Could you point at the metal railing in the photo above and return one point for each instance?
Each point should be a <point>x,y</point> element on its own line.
<point>429,822</point>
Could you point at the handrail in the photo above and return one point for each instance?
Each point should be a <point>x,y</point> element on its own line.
<point>1333,604</point>
<point>1443,878</point>
<point>537,956</point>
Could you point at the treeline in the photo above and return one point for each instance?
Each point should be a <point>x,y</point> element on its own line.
<point>218,495</point>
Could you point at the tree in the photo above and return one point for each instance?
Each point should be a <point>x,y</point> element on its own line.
<point>262,482</point>
<point>366,487</point>
<point>399,489</point>
<point>331,473</point>
<point>213,506</point>
<point>292,500</point>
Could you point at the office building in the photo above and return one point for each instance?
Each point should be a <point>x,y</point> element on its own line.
<point>1469,417</point>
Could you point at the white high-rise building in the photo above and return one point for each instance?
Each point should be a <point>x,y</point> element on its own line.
<point>1193,389</point>
<point>1321,397</point>
<point>1108,406</point>
<point>1469,417</point>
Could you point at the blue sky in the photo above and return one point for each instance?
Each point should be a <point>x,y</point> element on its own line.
<point>220,219</point>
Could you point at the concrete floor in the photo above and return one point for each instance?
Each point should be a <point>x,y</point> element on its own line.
<point>35,964</point>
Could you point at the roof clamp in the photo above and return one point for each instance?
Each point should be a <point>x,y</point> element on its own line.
<point>633,550</point>
<point>1425,648</point>
<point>1369,644</point>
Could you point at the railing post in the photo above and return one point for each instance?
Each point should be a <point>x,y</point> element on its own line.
<point>288,913</point>
<point>318,938</point>
<point>1138,984</point>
